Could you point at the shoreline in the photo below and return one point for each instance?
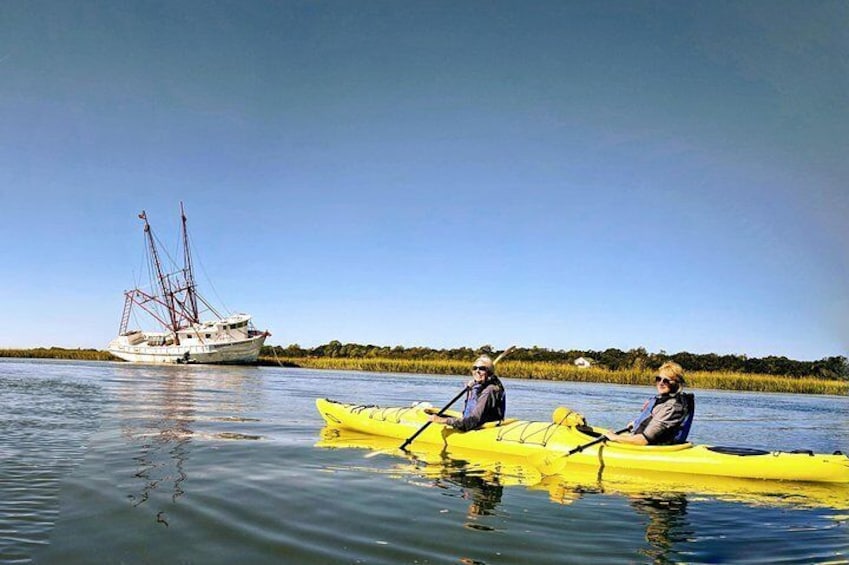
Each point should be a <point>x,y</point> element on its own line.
<point>529,370</point>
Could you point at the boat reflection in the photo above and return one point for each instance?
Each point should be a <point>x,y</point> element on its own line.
<point>575,481</point>
<point>160,421</point>
<point>178,406</point>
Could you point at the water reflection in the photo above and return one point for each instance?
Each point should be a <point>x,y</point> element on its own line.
<point>176,408</point>
<point>485,495</point>
<point>664,514</point>
<point>159,420</point>
<point>667,523</point>
<point>574,481</point>
<point>659,502</point>
<point>462,477</point>
<point>258,501</point>
<point>481,481</point>
<point>481,488</point>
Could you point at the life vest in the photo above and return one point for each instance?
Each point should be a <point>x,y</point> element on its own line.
<point>474,394</point>
<point>689,402</point>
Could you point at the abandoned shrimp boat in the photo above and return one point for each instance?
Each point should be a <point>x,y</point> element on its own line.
<point>173,303</point>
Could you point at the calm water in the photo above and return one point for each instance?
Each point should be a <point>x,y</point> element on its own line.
<point>114,463</point>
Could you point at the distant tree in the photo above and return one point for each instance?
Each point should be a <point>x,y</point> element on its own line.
<point>832,368</point>
<point>636,359</point>
<point>614,359</point>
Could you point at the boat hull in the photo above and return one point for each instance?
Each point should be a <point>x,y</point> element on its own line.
<point>549,443</point>
<point>223,352</point>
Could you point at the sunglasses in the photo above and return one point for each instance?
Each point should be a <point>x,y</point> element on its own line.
<point>480,368</point>
<point>664,380</point>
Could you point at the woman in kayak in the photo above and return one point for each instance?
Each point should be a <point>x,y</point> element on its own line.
<point>486,400</point>
<point>666,418</point>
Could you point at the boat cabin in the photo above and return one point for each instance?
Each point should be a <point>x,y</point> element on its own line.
<point>235,327</point>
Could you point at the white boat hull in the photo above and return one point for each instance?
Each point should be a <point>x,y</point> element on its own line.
<point>235,351</point>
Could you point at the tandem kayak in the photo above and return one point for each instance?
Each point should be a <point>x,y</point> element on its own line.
<point>547,445</point>
<point>458,465</point>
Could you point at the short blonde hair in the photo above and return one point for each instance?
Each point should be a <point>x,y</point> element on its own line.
<point>484,361</point>
<point>671,370</point>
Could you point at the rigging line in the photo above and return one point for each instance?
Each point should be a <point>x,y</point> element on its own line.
<point>171,275</point>
<point>174,264</point>
<point>152,284</point>
<point>135,319</point>
<point>171,266</point>
<point>199,261</point>
<point>143,266</point>
<point>276,358</point>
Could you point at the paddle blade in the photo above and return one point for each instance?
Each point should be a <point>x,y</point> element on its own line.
<point>504,354</point>
<point>371,454</point>
<point>550,463</point>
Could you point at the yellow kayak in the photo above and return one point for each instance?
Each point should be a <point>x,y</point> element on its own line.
<point>493,469</point>
<point>551,446</point>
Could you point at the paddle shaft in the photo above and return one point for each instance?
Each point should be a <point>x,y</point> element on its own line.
<point>453,400</point>
<point>593,442</point>
<point>442,411</point>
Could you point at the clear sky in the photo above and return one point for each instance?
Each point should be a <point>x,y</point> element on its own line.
<point>571,175</point>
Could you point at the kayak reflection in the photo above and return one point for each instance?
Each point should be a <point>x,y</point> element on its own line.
<point>574,481</point>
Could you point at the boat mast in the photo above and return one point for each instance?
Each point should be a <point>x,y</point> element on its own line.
<point>188,274</point>
<point>167,293</point>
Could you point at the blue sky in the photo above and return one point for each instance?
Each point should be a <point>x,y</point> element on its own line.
<point>585,175</point>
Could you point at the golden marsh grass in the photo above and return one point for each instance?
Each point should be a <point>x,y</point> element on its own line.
<point>565,372</point>
<point>541,370</point>
<point>58,353</point>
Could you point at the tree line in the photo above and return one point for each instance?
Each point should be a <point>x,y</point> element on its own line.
<point>836,367</point>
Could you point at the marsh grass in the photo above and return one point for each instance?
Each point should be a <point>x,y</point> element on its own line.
<point>564,372</point>
<point>538,370</point>
<point>58,353</point>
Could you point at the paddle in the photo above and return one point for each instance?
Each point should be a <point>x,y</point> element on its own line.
<point>440,413</point>
<point>453,400</point>
<point>554,464</point>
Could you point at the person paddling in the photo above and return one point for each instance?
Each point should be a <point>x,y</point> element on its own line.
<point>486,400</point>
<point>666,418</point>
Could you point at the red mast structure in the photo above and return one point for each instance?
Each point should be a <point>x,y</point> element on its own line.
<point>177,292</point>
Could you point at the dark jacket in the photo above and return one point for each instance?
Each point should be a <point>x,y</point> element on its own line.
<point>486,402</point>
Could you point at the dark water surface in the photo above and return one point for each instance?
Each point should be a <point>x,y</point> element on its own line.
<point>116,463</point>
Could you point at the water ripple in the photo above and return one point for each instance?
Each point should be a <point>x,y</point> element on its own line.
<point>116,463</point>
<point>43,430</point>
